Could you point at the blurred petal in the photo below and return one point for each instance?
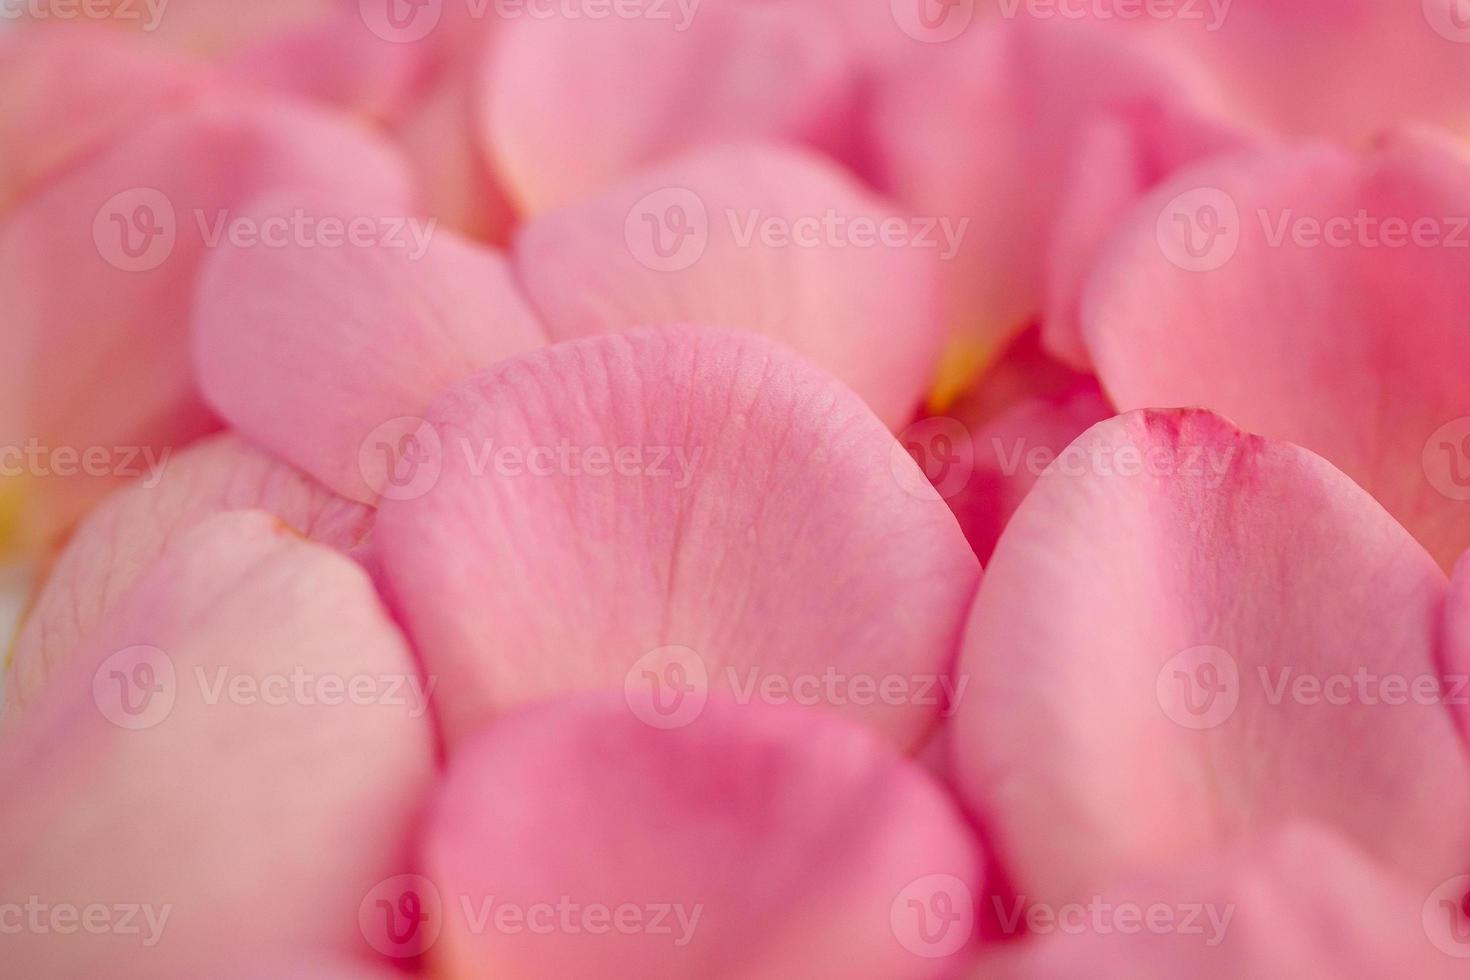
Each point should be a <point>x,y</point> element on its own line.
<point>988,127</point>
<point>98,269</point>
<point>1188,636</point>
<point>69,89</point>
<point>1122,155</point>
<point>310,350</point>
<point>821,845</point>
<point>337,61</point>
<point>127,532</point>
<point>180,777</point>
<point>674,505</point>
<point>1314,296</point>
<point>1455,645</point>
<point>1317,67</point>
<point>440,133</point>
<point>203,26</point>
<point>576,103</point>
<point>773,240</point>
<point>1011,451</point>
<point>1299,905</point>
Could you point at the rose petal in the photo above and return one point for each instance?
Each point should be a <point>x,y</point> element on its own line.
<point>985,130</point>
<point>1289,308</point>
<point>1166,656</point>
<point>688,503</point>
<point>757,237</point>
<point>127,532</point>
<point>69,89</point>
<point>310,350</point>
<point>780,843</point>
<point>97,274</point>
<point>1301,904</point>
<point>576,103</point>
<point>182,777</point>
<point>1122,155</point>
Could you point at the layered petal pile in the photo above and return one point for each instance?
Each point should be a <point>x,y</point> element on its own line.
<point>501,489</point>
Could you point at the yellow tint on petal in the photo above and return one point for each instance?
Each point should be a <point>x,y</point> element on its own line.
<point>13,494</point>
<point>961,365</point>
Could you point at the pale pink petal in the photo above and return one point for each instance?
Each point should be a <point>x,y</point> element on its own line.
<point>683,504</point>
<point>129,530</point>
<point>336,60</point>
<point>311,350</point>
<point>208,27</point>
<point>1311,295</point>
<point>985,129</point>
<point>1455,645</point>
<point>98,270</point>
<point>1188,636</point>
<point>440,133</point>
<point>67,89</point>
<point>774,240</point>
<point>576,103</point>
<point>259,813</point>
<point>1318,67</point>
<point>1122,155</point>
<point>779,842</point>
<point>1301,904</point>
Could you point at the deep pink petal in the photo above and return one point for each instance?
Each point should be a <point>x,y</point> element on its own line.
<point>127,532</point>
<point>1188,636</point>
<point>774,240</point>
<point>259,813</point>
<point>311,350</point>
<point>788,844</point>
<point>1311,295</point>
<point>672,507</point>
